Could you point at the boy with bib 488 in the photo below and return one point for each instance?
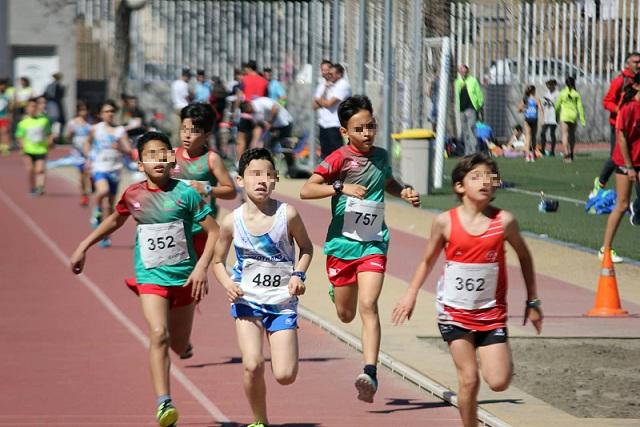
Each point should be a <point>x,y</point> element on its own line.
<point>472,292</point>
<point>266,279</point>
<point>170,278</point>
<point>356,177</point>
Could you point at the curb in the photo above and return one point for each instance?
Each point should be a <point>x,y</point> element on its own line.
<point>406,372</point>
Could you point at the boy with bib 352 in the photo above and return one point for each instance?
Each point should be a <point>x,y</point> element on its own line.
<point>170,278</point>
<point>266,279</point>
<point>356,177</point>
<point>472,292</point>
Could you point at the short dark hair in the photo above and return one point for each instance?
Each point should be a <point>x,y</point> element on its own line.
<point>469,163</point>
<point>110,103</point>
<point>201,115</point>
<point>4,80</point>
<point>518,128</point>
<point>254,154</point>
<point>252,64</point>
<point>339,68</point>
<point>267,70</point>
<point>186,72</point>
<point>351,106</point>
<point>200,72</point>
<point>326,61</point>
<point>630,54</point>
<point>152,136</point>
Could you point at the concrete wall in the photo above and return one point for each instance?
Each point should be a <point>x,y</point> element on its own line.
<point>46,23</point>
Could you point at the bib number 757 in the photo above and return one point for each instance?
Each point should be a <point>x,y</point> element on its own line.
<point>470,286</point>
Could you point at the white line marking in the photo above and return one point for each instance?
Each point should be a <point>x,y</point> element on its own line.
<point>533,193</point>
<point>207,404</point>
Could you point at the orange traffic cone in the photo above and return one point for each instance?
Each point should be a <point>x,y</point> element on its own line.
<point>607,298</point>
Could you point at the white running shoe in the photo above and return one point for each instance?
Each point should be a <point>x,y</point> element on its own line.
<point>614,256</point>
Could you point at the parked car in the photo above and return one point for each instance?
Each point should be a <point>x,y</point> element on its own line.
<point>506,71</point>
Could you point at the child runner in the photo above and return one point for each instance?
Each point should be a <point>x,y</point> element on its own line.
<point>200,166</point>
<point>356,176</point>
<point>104,148</point>
<point>471,294</point>
<point>569,109</point>
<point>626,156</point>
<point>78,130</point>
<point>33,134</point>
<point>532,109</point>
<point>5,117</point>
<point>266,278</point>
<point>170,280</point>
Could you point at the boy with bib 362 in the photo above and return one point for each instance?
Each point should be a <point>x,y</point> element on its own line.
<point>266,279</point>
<point>170,278</point>
<point>356,177</point>
<point>471,295</point>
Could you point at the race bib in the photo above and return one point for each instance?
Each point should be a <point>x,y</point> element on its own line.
<point>206,185</point>
<point>78,141</point>
<point>35,134</point>
<point>162,244</point>
<point>363,220</point>
<point>470,286</point>
<point>266,282</point>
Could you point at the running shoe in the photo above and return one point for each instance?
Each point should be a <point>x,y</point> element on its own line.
<point>258,425</point>
<point>105,243</point>
<point>635,215</point>
<point>614,256</point>
<point>96,218</point>
<point>366,387</point>
<point>596,187</point>
<point>332,294</point>
<point>166,415</point>
<point>187,353</point>
<point>84,200</point>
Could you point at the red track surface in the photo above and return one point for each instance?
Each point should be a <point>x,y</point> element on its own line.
<point>73,347</point>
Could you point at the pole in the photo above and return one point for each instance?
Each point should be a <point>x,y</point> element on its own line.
<point>313,18</point>
<point>441,127</point>
<point>417,69</point>
<point>388,75</point>
<point>361,36</point>
<point>335,32</point>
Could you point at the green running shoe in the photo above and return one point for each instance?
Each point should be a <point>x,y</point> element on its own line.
<point>167,415</point>
<point>332,294</point>
<point>257,425</point>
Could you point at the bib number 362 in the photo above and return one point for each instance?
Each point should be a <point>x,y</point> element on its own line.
<point>470,286</point>
<point>363,220</point>
<point>162,244</point>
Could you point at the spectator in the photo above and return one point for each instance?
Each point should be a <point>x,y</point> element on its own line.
<point>611,103</point>
<point>326,100</point>
<point>202,88</point>
<point>275,90</point>
<point>550,121</point>
<point>532,108</point>
<point>54,94</point>
<point>180,97</point>
<point>253,84</point>
<point>132,117</point>
<point>569,108</point>
<point>469,102</point>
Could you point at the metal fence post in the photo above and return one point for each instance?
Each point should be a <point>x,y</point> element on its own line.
<point>388,74</point>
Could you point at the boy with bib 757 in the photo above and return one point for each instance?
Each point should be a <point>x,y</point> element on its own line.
<point>170,278</point>
<point>356,177</point>
<point>266,279</point>
<point>472,293</point>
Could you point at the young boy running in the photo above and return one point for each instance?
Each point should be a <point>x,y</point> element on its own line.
<point>170,281</point>
<point>78,130</point>
<point>104,148</point>
<point>471,294</point>
<point>200,166</point>
<point>5,117</point>
<point>266,280</point>
<point>33,134</point>
<point>356,176</point>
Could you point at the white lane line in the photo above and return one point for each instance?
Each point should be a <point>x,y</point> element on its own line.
<point>551,196</point>
<point>207,404</point>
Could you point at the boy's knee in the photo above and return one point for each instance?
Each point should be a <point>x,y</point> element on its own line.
<point>286,377</point>
<point>469,381</point>
<point>368,308</point>
<point>622,205</point>
<point>159,336</point>
<point>346,315</point>
<point>499,384</point>
<point>253,366</point>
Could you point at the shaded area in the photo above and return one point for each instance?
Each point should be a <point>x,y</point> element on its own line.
<point>400,405</point>
<point>238,360</point>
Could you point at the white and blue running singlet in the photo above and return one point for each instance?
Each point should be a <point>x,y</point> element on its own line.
<point>104,157</point>
<point>264,264</point>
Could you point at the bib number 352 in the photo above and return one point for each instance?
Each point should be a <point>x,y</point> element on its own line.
<point>162,244</point>
<point>470,286</point>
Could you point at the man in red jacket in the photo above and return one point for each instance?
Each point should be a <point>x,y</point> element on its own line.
<point>610,102</point>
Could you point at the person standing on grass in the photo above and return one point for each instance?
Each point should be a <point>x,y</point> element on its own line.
<point>469,103</point>
<point>569,108</point>
<point>170,278</point>
<point>626,157</point>
<point>550,122</point>
<point>471,293</point>
<point>356,177</point>
<point>266,279</point>
<point>532,109</point>
<point>611,103</point>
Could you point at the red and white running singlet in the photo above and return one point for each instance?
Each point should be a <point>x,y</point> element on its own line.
<point>472,292</point>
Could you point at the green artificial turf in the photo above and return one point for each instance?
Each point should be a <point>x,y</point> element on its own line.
<point>570,223</point>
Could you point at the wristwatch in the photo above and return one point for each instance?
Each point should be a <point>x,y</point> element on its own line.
<point>534,303</point>
<point>207,188</point>
<point>338,186</point>
<point>301,274</point>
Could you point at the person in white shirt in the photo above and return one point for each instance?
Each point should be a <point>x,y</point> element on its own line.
<point>326,100</point>
<point>550,122</point>
<point>180,97</point>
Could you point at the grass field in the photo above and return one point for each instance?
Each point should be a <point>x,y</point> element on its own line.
<point>570,223</point>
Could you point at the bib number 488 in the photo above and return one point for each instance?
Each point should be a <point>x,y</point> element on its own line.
<point>471,284</point>
<point>267,280</point>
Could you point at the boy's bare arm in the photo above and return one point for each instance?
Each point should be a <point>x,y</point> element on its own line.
<point>299,233</point>
<point>405,192</point>
<point>316,188</point>
<point>225,189</point>
<point>106,227</point>
<point>220,252</point>
<point>513,236</point>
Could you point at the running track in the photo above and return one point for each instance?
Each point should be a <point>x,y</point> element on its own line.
<point>74,346</point>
